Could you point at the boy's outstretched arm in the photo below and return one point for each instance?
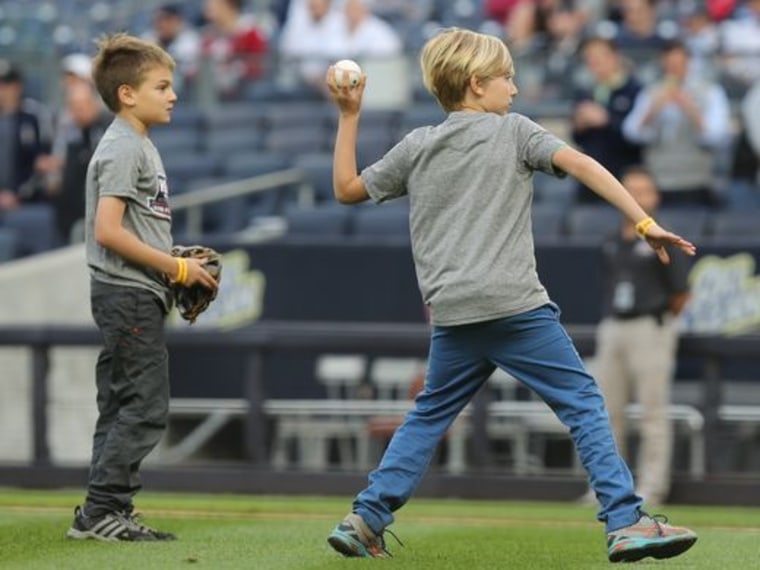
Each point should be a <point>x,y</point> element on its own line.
<point>347,184</point>
<point>602,182</point>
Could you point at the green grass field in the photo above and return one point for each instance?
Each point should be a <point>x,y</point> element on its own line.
<point>217,532</point>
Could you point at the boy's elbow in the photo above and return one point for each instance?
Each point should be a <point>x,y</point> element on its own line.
<point>103,235</point>
<point>341,195</point>
<point>350,192</point>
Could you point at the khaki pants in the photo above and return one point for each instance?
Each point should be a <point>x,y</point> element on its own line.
<point>635,359</point>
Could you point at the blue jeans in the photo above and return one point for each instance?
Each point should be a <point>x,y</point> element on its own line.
<point>534,348</point>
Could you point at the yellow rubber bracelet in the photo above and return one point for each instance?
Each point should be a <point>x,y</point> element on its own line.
<point>643,226</point>
<point>181,271</point>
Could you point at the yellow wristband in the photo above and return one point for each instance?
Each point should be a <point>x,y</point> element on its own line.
<point>181,271</point>
<point>643,226</point>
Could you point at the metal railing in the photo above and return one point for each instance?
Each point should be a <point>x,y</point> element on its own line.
<point>194,200</point>
<point>261,340</point>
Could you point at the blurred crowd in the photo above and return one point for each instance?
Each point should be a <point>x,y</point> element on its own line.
<point>670,84</point>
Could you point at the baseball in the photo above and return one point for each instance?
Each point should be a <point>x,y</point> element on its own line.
<point>353,69</point>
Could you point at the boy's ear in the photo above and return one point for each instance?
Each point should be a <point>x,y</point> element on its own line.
<point>476,85</point>
<point>126,95</point>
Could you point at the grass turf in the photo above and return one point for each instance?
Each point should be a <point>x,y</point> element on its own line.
<point>218,532</point>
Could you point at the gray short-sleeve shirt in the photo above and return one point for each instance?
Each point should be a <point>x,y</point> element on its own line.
<point>127,165</point>
<point>469,182</point>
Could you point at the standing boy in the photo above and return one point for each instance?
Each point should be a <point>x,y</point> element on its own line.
<point>469,186</point>
<point>128,239</point>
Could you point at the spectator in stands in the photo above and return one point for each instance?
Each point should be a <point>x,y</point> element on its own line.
<point>172,32</point>
<point>470,181</point>
<point>235,45</point>
<point>24,138</point>
<point>639,33</point>
<point>700,34</point>
<point>499,10</point>
<point>744,186</point>
<point>368,36</point>
<point>74,146</point>
<point>683,121</point>
<point>740,45</point>
<point>553,25</point>
<point>599,111</point>
<point>76,70</point>
<point>312,38</point>
<point>637,340</point>
<point>549,32</point>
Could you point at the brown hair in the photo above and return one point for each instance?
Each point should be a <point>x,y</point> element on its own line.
<point>124,60</point>
<point>454,55</point>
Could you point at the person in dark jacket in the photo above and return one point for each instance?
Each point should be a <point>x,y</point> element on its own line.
<point>22,140</point>
<point>599,111</point>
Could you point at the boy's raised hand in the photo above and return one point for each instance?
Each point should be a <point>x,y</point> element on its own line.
<point>347,98</point>
<point>658,238</point>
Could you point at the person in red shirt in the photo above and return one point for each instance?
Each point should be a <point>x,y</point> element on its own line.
<point>235,45</point>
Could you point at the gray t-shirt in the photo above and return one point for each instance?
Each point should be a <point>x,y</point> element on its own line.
<point>469,182</point>
<point>127,165</point>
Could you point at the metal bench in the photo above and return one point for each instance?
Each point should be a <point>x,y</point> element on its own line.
<point>518,419</point>
<point>312,423</point>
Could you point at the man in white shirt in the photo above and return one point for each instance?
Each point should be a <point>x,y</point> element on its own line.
<point>313,37</point>
<point>368,36</point>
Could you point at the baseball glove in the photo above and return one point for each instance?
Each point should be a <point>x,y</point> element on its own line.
<point>192,300</point>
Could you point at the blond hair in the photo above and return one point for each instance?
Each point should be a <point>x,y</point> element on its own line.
<point>454,55</point>
<point>124,60</point>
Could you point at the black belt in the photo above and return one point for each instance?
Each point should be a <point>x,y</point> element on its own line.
<point>658,315</point>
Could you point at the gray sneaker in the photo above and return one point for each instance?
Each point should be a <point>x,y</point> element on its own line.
<point>352,537</point>
<point>113,527</point>
<point>649,536</point>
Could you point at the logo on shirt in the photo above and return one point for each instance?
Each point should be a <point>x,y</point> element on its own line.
<point>159,202</point>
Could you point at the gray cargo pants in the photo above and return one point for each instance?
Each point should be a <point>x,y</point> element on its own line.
<point>132,377</point>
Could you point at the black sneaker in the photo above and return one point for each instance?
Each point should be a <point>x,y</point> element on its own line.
<point>135,518</point>
<point>113,527</point>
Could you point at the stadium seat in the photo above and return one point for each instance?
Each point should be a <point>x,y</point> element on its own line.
<point>223,142</point>
<point>297,139</point>
<point>34,227</point>
<point>236,115</point>
<point>548,188</point>
<point>245,164</point>
<point>691,223</point>
<point>421,115</point>
<point>317,169</point>
<point>547,221</point>
<point>371,144</point>
<point>386,222</point>
<point>175,140</point>
<point>329,221</point>
<point>732,224</point>
<point>186,116</point>
<point>314,115</point>
<point>371,118</point>
<point>7,244</point>
<point>591,222</point>
<point>181,168</point>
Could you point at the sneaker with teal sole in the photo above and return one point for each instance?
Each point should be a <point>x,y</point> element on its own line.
<point>649,536</point>
<point>352,537</point>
